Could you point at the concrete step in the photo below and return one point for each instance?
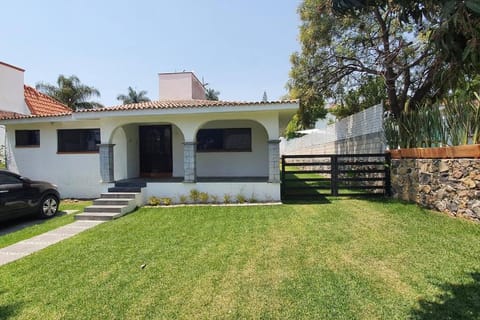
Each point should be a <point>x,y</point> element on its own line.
<point>121,195</point>
<point>107,208</point>
<point>99,216</point>
<point>125,189</point>
<point>135,184</point>
<point>112,202</point>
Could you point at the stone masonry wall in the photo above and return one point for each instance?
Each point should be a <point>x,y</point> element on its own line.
<point>447,185</point>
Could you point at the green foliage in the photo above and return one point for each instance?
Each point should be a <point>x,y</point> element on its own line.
<point>293,126</point>
<point>371,92</point>
<point>203,197</point>
<point>240,198</point>
<point>211,94</point>
<point>153,201</point>
<point>71,92</point>
<point>227,198</point>
<point>451,28</point>
<point>253,198</point>
<point>183,198</point>
<point>343,53</point>
<point>214,198</point>
<point>133,96</point>
<point>194,195</point>
<point>166,201</point>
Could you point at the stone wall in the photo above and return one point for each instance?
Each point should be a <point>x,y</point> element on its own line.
<point>447,185</point>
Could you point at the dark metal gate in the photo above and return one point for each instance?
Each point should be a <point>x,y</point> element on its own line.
<point>311,176</point>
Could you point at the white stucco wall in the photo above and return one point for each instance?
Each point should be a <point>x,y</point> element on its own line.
<point>11,90</point>
<point>76,175</point>
<point>236,164</point>
<point>261,191</point>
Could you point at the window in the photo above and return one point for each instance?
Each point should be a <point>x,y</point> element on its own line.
<point>78,140</point>
<point>6,178</point>
<point>226,140</point>
<point>27,138</point>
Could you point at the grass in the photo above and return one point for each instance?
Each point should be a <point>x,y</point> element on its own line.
<point>345,259</point>
<point>40,226</point>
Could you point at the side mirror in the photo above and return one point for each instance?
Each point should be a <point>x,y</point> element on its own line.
<point>25,180</point>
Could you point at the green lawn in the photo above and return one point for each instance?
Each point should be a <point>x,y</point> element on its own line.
<point>344,259</point>
<point>42,226</point>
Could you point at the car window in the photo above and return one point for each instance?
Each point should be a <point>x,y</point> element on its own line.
<point>8,179</point>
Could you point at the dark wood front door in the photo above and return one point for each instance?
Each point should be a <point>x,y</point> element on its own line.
<point>155,151</point>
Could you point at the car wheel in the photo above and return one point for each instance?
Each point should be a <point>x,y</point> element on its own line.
<point>48,206</point>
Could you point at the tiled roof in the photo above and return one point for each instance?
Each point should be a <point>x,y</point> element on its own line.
<point>42,105</point>
<point>178,104</point>
<point>10,115</point>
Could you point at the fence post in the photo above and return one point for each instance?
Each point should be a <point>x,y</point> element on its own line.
<point>334,175</point>
<point>388,182</point>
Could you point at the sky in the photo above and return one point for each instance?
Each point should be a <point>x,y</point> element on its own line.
<point>241,48</point>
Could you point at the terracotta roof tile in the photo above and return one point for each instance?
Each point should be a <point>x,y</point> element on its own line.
<point>176,104</point>
<point>42,105</point>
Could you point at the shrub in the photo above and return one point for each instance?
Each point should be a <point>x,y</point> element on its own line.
<point>194,195</point>
<point>203,197</point>
<point>214,198</point>
<point>241,198</point>
<point>166,201</point>
<point>153,201</point>
<point>227,198</point>
<point>183,198</point>
<point>253,199</point>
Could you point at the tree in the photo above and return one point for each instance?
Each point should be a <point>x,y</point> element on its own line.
<point>211,94</point>
<point>371,92</point>
<point>71,92</point>
<point>264,97</point>
<point>452,26</point>
<point>341,53</point>
<point>133,96</point>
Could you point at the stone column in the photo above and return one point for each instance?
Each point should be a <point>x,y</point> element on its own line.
<point>273,161</point>
<point>189,162</point>
<point>106,162</point>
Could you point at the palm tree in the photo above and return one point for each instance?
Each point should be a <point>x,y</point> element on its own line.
<point>211,94</point>
<point>71,92</point>
<point>133,96</point>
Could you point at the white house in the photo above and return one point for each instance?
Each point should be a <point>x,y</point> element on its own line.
<point>173,145</point>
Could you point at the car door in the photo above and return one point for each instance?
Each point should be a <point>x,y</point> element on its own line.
<point>13,196</point>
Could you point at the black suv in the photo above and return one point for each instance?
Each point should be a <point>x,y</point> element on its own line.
<point>21,196</point>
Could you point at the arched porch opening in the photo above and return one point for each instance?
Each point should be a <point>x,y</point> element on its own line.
<point>148,150</point>
<point>232,149</point>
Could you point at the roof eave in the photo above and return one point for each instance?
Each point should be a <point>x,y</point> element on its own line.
<point>105,113</point>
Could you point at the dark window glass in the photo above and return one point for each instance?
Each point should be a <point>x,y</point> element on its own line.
<point>231,140</point>
<point>8,179</point>
<point>27,138</point>
<point>78,140</point>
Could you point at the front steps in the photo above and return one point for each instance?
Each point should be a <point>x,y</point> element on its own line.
<point>118,201</point>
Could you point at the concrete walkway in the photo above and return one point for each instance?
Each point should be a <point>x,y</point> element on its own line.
<point>29,246</point>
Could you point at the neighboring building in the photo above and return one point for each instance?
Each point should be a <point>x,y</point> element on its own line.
<point>176,145</point>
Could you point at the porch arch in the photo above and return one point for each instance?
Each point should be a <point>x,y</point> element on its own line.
<point>252,163</point>
<point>124,142</point>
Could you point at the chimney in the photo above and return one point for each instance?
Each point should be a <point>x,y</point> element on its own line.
<point>12,98</point>
<point>180,86</point>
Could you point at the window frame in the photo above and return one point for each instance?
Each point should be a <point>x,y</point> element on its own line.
<point>223,133</point>
<point>85,132</point>
<point>30,131</point>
